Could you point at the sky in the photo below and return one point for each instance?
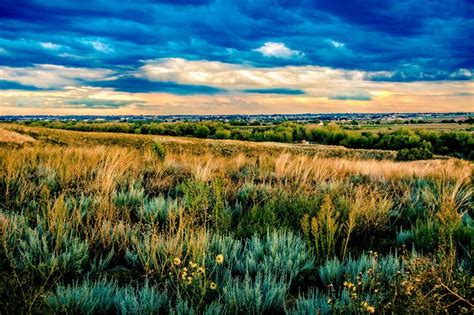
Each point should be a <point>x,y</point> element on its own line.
<point>151,57</point>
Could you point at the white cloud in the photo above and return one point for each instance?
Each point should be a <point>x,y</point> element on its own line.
<point>336,44</point>
<point>278,50</point>
<point>464,73</point>
<point>98,45</point>
<point>321,82</point>
<point>49,45</point>
<point>231,76</point>
<point>68,97</point>
<point>101,46</point>
<point>51,76</point>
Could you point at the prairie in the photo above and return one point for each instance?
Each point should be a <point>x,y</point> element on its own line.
<point>104,223</point>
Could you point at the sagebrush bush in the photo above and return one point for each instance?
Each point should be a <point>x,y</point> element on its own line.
<point>104,297</point>
<point>130,199</point>
<point>158,210</point>
<point>255,295</point>
<point>85,298</point>
<point>42,252</point>
<point>279,253</point>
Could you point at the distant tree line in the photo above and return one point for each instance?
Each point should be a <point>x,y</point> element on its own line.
<point>412,143</point>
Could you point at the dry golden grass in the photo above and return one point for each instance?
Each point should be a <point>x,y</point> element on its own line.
<point>334,198</point>
<point>192,145</point>
<point>9,136</point>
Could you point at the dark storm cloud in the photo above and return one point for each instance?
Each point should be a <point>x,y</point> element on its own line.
<point>137,85</point>
<point>92,103</point>
<point>416,40</point>
<point>10,85</point>
<point>351,97</point>
<point>276,91</point>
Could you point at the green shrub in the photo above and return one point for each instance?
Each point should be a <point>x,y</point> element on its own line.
<point>145,300</point>
<point>86,298</point>
<point>105,297</point>
<point>223,134</point>
<point>414,154</point>
<point>130,199</point>
<point>42,254</point>
<point>158,210</point>
<point>259,295</point>
<point>158,150</point>
<point>334,272</point>
<point>314,303</point>
<point>279,253</point>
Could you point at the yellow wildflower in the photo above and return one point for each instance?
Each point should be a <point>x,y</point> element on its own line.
<point>189,280</point>
<point>371,309</point>
<point>213,286</point>
<point>201,270</point>
<point>177,261</point>
<point>219,259</point>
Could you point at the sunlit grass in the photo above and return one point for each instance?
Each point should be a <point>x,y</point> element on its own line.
<point>101,223</point>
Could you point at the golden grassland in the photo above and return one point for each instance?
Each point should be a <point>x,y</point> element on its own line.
<point>7,136</point>
<point>98,223</point>
<point>190,145</point>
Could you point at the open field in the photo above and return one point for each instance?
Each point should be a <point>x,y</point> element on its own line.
<point>8,136</point>
<point>105,223</point>
<point>411,141</point>
<point>188,144</point>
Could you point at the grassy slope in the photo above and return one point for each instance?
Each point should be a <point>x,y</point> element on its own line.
<point>191,145</point>
<point>70,195</point>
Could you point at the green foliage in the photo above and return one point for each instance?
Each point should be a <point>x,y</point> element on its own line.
<point>42,253</point>
<point>323,231</point>
<point>104,297</point>
<point>130,199</point>
<point>411,143</point>
<point>314,303</point>
<point>333,272</point>
<point>85,298</point>
<point>223,134</point>
<point>269,235</point>
<point>205,202</point>
<point>202,131</point>
<point>280,254</point>
<point>158,210</point>
<point>158,150</point>
<point>145,300</point>
<point>259,295</point>
<point>414,154</point>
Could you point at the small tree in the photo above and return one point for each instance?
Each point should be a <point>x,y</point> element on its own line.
<point>223,134</point>
<point>201,131</point>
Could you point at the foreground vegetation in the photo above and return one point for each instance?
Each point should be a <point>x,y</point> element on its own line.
<point>417,143</point>
<point>101,223</point>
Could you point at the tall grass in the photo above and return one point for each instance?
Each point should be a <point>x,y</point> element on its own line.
<point>100,224</point>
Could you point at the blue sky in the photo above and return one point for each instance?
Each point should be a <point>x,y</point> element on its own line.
<point>152,57</point>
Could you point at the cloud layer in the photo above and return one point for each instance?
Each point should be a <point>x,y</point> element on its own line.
<point>244,55</point>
